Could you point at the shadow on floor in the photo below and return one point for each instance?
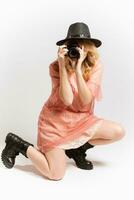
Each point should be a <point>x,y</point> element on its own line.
<point>96,163</point>
<point>70,163</point>
<point>29,168</point>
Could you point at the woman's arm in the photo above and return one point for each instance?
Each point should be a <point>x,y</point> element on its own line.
<point>65,91</point>
<point>83,90</point>
<point>92,88</point>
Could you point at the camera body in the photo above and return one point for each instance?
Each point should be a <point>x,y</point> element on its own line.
<point>72,51</point>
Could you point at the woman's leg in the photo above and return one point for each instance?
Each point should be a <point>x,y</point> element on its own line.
<point>108,132</point>
<point>51,164</point>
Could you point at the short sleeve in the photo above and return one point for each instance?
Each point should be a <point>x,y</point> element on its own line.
<point>54,74</point>
<point>94,82</point>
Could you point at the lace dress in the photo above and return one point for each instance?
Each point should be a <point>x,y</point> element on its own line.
<point>69,126</point>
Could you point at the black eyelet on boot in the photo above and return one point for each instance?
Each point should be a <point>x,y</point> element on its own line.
<point>79,155</point>
<point>14,146</point>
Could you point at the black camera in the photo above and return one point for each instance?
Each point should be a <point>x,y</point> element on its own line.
<point>72,51</point>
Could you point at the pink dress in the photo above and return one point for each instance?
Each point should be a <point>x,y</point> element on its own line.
<point>69,126</point>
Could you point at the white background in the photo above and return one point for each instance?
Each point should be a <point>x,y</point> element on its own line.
<point>29,31</point>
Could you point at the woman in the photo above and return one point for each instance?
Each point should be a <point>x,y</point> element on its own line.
<point>67,121</point>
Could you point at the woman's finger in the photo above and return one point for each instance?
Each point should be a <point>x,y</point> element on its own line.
<point>79,48</point>
<point>63,46</point>
<point>62,50</point>
<point>82,47</point>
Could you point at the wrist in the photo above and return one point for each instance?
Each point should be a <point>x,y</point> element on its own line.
<point>78,71</point>
<point>79,62</point>
<point>78,67</point>
<point>63,70</point>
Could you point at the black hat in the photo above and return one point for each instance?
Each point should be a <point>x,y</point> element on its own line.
<point>79,30</point>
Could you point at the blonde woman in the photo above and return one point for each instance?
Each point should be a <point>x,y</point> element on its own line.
<point>67,124</point>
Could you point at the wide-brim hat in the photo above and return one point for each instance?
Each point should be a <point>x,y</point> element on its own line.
<point>79,30</point>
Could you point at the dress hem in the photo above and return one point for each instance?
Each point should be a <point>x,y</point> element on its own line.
<point>46,148</point>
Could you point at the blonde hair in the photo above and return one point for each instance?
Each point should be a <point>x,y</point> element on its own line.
<point>90,60</point>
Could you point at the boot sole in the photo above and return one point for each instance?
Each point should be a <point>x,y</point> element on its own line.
<point>5,160</point>
<point>4,157</point>
<point>90,167</point>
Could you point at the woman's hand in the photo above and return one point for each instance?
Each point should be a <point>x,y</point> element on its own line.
<point>81,58</point>
<point>62,51</point>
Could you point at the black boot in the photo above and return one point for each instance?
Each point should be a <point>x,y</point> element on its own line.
<point>14,146</point>
<point>79,155</point>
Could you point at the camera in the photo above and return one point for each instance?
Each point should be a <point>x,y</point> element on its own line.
<point>72,51</point>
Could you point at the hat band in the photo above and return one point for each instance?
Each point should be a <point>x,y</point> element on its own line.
<point>79,35</point>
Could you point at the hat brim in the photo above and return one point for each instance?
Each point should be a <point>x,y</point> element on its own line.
<point>95,41</point>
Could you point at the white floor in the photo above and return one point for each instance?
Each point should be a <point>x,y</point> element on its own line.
<point>111,178</point>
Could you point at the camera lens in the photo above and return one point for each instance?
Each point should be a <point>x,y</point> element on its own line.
<point>72,51</point>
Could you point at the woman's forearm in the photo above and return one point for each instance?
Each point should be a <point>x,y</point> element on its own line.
<point>65,90</point>
<point>84,93</point>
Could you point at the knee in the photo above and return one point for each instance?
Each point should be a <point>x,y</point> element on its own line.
<point>119,132</point>
<point>56,175</point>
